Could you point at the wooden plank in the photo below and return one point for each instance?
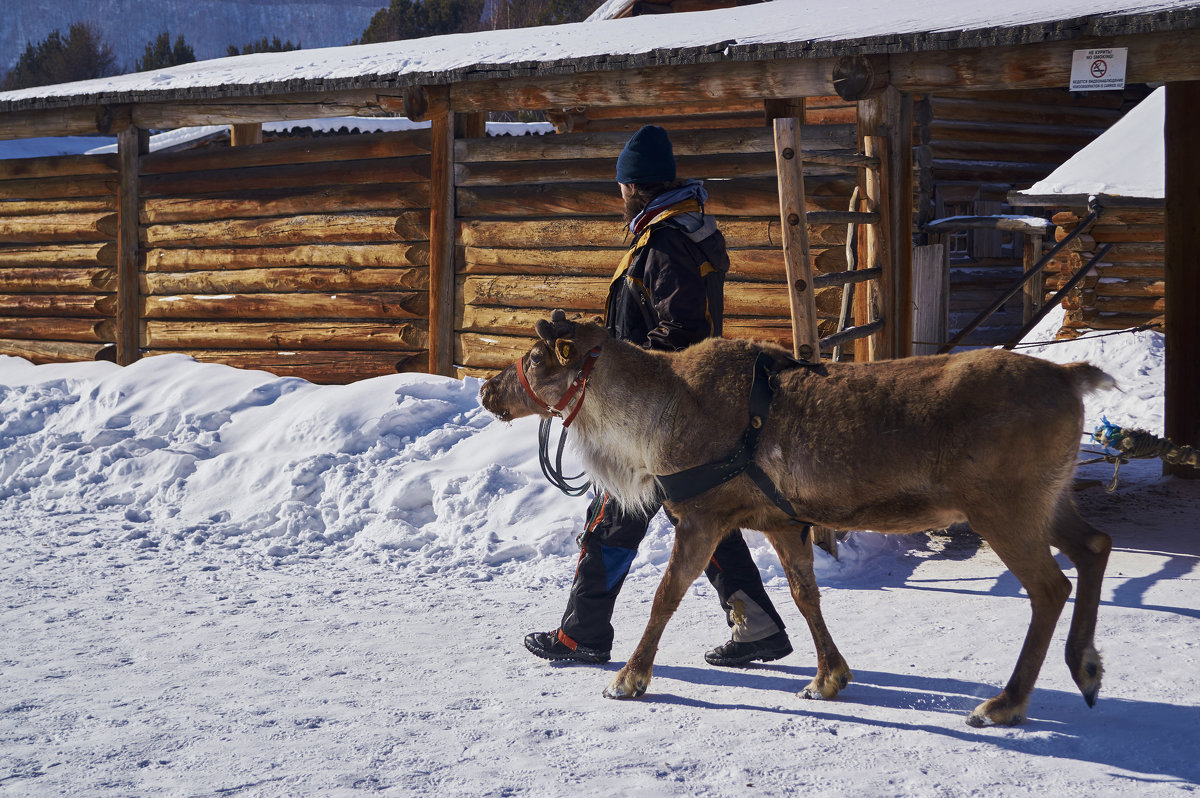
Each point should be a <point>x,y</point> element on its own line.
<point>41,352</point>
<point>1182,355</point>
<point>743,197</point>
<point>607,146</point>
<point>442,212</point>
<point>797,265</point>
<point>57,329</point>
<point>339,173</point>
<point>59,255</point>
<point>397,255</point>
<point>507,173</point>
<point>58,305</point>
<point>380,305</point>
<point>274,280</point>
<point>234,204</point>
<point>587,294</point>
<point>132,143</point>
<point>364,227</point>
<point>51,206</point>
<point>399,144</point>
<point>930,295</point>
<point>328,367</point>
<point>311,335</point>
<point>58,166</point>
<point>739,231</point>
<point>58,228</point>
<point>44,188</point>
<point>60,280</point>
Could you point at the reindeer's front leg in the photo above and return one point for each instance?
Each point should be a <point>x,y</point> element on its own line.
<point>694,546</point>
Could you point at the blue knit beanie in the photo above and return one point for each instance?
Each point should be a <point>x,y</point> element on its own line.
<point>647,157</point>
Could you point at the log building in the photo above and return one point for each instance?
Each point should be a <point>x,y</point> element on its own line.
<point>336,259</point>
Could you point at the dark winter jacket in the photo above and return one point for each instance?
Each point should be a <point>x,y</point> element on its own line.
<point>668,292</point>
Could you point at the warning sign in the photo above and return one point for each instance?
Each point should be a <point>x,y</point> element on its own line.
<point>1098,70</point>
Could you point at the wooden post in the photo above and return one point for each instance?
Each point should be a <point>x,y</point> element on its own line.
<point>889,116</point>
<point>245,133</point>
<point>1182,269</point>
<point>797,263</point>
<point>784,108</point>
<point>871,303</point>
<point>930,302</point>
<point>132,143</point>
<point>1035,289</point>
<point>441,245</point>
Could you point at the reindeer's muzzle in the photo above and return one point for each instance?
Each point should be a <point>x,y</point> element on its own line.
<point>499,392</point>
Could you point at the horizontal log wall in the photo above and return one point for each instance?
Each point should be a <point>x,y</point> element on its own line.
<point>58,224</point>
<point>1126,289</point>
<point>306,257</point>
<point>976,148</point>
<point>540,228</point>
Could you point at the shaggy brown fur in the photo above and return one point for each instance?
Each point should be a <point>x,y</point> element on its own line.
<point>988,437</point>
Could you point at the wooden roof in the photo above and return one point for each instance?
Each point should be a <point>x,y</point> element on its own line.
<point>785,48</point>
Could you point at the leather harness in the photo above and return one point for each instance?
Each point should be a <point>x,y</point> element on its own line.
<point>698,479</point>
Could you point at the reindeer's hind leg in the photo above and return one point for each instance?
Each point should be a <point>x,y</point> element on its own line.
<point>1088,548</point>
<point>1018,539</point>
<point>796,555</point>
<point>694,547</point>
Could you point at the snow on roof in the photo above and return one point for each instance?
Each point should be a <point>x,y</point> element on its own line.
<point>1128,160</point>
<point>779,28</point>
<point>181,137</point>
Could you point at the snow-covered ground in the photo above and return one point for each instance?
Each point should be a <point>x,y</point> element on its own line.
<point>219,582</point>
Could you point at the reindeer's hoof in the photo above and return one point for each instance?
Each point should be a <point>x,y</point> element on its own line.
<point>627,684</point>
<point>827,686</point>
<point>1087,675</point>
<point>998,711</point>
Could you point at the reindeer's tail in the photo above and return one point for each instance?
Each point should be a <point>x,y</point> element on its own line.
<point>1088,378</point>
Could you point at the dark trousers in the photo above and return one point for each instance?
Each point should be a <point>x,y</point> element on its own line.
<point>610,543</point>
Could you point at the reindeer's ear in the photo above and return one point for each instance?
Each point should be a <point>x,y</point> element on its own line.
<point>565,349</point>
<point>544,330</point>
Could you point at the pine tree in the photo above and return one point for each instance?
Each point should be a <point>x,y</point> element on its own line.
<point>262,46</point>
<point>415,19</point>
<point>159,53</point>
<point>81,55</point>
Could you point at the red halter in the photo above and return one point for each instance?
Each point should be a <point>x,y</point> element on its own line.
<point>577,386</point>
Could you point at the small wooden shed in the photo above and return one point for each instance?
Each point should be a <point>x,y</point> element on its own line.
<point>435,249</point>
<point>1117,263</point>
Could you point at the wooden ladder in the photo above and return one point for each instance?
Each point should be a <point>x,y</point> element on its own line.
<point>807,344</point>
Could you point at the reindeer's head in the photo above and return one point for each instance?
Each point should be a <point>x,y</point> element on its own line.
<point>548,379</point>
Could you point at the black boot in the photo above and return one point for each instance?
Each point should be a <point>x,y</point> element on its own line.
<point>734,654</point>
<point>557,646</point>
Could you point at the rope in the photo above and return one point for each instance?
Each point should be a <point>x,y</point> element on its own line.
<point>1149,326</point>
<point>1139,444</point>
<point>552,469</point>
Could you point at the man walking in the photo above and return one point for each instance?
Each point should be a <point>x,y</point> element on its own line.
<point>667,294</point>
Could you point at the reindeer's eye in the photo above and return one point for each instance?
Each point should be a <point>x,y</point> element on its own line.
<point>536,357</point>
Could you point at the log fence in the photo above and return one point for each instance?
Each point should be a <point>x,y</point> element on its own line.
<point>334,259</point>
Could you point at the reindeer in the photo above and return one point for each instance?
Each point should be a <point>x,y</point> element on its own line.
<point>988,437</point>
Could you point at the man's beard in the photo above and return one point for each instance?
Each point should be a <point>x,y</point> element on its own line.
<point>636,203</point>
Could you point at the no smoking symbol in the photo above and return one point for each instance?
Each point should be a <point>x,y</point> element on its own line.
<point>1099,67</point>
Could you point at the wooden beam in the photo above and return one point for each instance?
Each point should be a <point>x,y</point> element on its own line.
<point>132,143</point>
<point>784,77</point>
<point>1182,355</point>
<point>860,77</point>
<point>441,246</point>
<point>1153,57</point>
<point>73,121</point>
<point>797,264</point>
<point>267,108</point>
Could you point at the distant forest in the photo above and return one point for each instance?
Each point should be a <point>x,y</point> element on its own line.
<point>82,51</point>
